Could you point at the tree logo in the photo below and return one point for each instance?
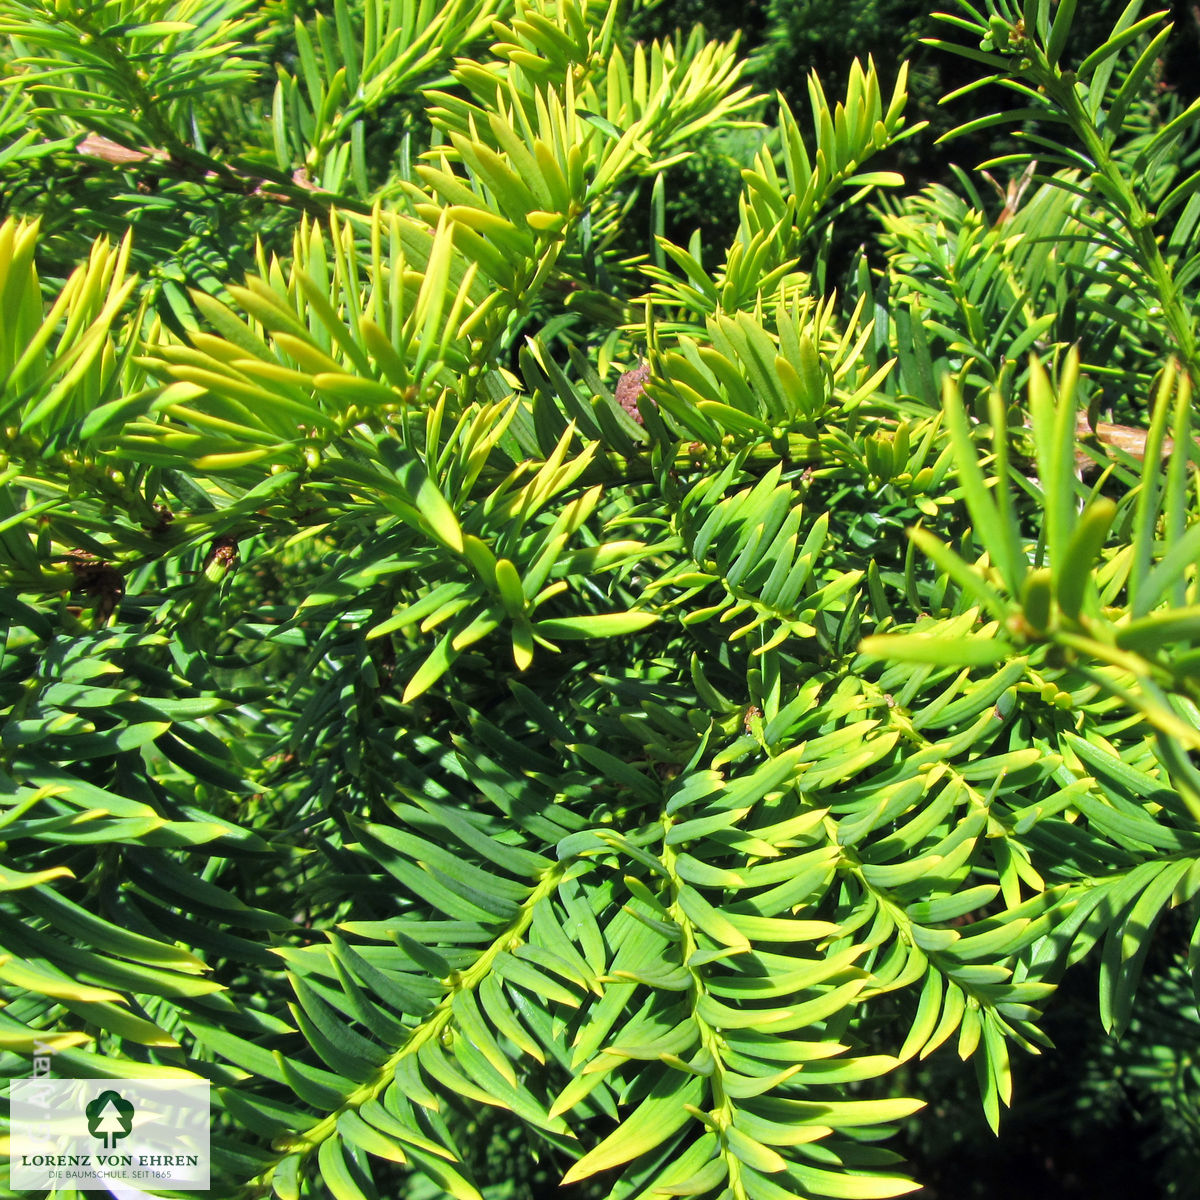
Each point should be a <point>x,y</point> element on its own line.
<point>109,1117</point>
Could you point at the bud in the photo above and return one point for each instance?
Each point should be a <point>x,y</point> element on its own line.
<point>999,32</point>
<point>222,558</point>
<point>1036,599</point>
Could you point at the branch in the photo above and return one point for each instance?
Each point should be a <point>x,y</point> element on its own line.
<point>230,179</point>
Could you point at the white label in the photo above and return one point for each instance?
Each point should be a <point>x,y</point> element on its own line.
<point>90,1133</point>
